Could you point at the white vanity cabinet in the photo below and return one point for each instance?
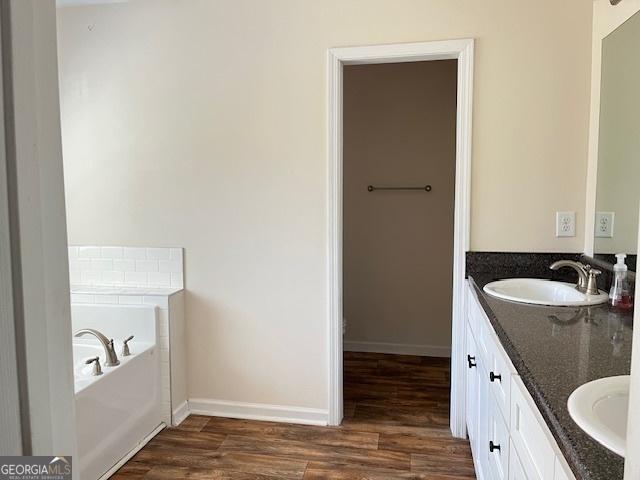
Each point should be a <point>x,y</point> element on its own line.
<point>509,438</point>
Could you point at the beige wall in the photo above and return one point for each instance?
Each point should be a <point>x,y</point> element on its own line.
<point>202,124</point>
<point>399,129</point>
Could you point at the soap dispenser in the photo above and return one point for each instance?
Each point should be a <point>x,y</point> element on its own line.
<point>620,293</point>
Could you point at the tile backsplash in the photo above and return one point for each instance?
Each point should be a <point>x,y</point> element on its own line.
<point>126,266</point>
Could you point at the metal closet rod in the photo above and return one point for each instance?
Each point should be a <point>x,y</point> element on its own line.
<point>426,188</point>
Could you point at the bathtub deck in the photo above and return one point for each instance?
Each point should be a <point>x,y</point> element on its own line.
<point>396,426</point>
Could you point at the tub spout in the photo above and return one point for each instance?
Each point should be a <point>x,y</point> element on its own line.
<point>109,350</point>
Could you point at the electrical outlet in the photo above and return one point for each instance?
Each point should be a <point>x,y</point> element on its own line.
<point>604,224</point>
<point>565,224</point>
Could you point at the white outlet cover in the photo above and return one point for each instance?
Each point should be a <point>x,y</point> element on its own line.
<point>565,224</point>
<point>604,224</point>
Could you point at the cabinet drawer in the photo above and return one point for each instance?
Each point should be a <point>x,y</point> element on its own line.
<point>497,448</point>
<point>473,310</point>
<point>499,373</point>
<point>479,325</point>
<point>528,434</point>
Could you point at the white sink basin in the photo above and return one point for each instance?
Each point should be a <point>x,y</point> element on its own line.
<point>600,408</point>
<point>542,292</point>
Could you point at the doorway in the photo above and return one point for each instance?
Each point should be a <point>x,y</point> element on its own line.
<point>399,124</point>
<point>460,51</point>
<point>399,152</point>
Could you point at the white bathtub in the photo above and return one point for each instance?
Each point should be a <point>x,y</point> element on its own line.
<point>120,408</point>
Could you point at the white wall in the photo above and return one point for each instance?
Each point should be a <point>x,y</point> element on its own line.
<point>632,454</point>
<point>203,124</point>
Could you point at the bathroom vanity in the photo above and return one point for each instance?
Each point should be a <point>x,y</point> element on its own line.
<point>523,362</point>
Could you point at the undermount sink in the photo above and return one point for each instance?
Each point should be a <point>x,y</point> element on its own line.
<point>600,408</point>
<point>542,292</point>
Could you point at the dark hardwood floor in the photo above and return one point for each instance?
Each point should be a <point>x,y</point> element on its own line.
<point>395,427</point>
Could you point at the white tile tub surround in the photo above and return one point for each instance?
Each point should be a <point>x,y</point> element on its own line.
<point>130,266</point>
<point>141,276</point>
<point>171,336</point>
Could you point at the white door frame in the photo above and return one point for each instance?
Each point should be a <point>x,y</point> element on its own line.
<point>41,299</point>
<point>462,50</point>
<point>11,439</point>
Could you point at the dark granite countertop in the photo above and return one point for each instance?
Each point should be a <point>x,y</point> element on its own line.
<point>555,350</point>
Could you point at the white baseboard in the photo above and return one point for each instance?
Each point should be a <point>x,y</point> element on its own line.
<point>258,411</point>
<point>180,413</point>
<point>397,348</point>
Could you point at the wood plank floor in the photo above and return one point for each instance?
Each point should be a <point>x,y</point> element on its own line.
<point>395,427</point>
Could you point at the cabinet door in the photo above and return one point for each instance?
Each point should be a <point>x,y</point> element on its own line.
<point>516,470</point>
<point>470,308</point>
<point>562,472</point>
<point>498,445</point>
<point>472,396</point>
<point>480,449</point>
<point>528,434</point>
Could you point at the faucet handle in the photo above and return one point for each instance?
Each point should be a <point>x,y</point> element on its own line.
<point>125,347</point>
<point>97,370</point>
<point>592,282</point>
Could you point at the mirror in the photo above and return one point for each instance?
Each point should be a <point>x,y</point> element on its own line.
<point>618,181</point>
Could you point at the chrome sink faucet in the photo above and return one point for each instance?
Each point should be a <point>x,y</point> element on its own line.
<point>109,350</point>
<point>587,276</point>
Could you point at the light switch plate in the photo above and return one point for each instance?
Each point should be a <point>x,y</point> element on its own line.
<point>604,224</point>
<point>565,224</point>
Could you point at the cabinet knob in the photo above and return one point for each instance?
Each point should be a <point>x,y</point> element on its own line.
<point>493,447</point>
<point>493,377</point>
<point>471,360</point>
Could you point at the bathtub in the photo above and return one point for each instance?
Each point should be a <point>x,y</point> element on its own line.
<point>119,409</point>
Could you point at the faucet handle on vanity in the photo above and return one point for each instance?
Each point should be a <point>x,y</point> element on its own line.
<point>97,370</point>
<point>125,347</point>
<point>592,281</point>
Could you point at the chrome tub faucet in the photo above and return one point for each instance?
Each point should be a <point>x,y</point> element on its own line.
<point>96,365</point>
<point>109,350</point>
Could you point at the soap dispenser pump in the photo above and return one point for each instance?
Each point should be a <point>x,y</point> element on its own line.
<point>620,293</point>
